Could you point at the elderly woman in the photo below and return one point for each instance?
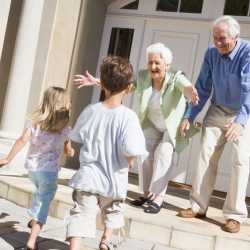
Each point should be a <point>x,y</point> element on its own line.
<point>160,105</point>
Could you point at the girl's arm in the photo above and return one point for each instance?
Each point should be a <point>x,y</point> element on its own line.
<point>17,147</point>
<point>68,149</point>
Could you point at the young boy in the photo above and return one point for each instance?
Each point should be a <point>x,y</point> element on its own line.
<point>111,138</point>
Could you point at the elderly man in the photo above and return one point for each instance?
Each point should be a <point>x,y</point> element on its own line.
<point>225,75</point>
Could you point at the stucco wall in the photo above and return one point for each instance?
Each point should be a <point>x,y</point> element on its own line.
<point>9,23</point>
<point>86,50</point>
<point>85,56</point>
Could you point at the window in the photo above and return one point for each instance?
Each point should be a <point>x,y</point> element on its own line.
<point>119,45</point>
<point>187,6</point>
<point>168,5</point>
<point>131,6</point>
<point>120,42</point>
<point>237,8</point>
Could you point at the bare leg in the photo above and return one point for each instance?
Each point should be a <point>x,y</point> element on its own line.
<point>74,243</point>
<point>106,237</point>
<point>158,199</point>
<point>35,230</point>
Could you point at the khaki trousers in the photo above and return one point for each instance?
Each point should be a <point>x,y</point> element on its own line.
<point>154,173</point>
<point>82,219</point>
<point>213,143</point>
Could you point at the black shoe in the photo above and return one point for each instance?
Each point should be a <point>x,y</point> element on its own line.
<point>153,208</point>
<point>141,201</point>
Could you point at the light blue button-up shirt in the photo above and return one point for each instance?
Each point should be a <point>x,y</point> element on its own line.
<point>229,77</point>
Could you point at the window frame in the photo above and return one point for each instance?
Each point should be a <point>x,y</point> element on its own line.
<point>210,10</point>
<point>248,11</point>
<point>179,8</point>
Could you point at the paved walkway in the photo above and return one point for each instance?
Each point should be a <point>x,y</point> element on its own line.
<point>14,233</point>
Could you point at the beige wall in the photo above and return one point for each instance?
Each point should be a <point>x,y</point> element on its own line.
<point>86,53</point>
<point>56,45</point>
<point>42,53</point>
<point>62,42</point>
<point>8,39</point>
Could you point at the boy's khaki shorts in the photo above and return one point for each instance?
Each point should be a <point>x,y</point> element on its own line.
<point>82,219</point>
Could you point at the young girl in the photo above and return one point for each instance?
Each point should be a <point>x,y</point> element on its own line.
<point>111,137</point>
<point>47,133</point>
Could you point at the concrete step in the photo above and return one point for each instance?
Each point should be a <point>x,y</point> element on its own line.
<point>164,228</point>
<point>14,233</point>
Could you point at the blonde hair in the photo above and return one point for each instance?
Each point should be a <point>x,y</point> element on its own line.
<point>53,113</point>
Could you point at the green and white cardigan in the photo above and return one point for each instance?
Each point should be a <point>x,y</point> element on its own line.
<point>173,104</point>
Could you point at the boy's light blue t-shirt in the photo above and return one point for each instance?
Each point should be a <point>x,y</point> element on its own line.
<point>106,136</point>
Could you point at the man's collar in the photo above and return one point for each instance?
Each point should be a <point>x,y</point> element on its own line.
<point>232,54</point>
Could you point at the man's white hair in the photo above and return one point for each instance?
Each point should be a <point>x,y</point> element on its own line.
<point>160,48</point>
<point>232,24</point>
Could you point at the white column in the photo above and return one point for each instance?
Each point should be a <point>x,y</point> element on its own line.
<point>4,14</point>
<point>18,89</point>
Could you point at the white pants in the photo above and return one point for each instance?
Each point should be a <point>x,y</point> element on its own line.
<point>82,219</point>
<point>213,143</point>
<point>154,174</point>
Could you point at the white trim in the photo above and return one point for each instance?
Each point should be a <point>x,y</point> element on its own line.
<point>210,11</point>
<point>119,4</point>
<point>147,5</point>
<point>179,6</point>
<point>248,11</point>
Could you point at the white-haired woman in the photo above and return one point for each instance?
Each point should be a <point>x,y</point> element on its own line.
<point>160,105</point>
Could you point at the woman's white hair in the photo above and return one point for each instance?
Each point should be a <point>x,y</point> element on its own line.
<point>232,24</point>
<point>160,48</point>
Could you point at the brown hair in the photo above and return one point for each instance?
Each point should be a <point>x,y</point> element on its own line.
<point>116,74</point>
<point>53,113</point>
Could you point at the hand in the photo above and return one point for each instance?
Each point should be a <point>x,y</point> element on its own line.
<point>184,127</point>
<point>85,80</point>
<point>3,162</point>
<point>234,130</point>
<point>191,94</point>
<point>71,152</point>
<point>68,149</point>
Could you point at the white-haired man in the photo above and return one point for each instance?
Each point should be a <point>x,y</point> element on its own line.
<point>225,74</point>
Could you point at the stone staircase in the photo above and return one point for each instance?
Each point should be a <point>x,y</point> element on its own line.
<point>166,229</point>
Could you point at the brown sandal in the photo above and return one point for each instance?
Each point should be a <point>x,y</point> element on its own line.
<point>29,248</point>
<point>142,201</point>
<point>105,245</point>
<point>30,223</point>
